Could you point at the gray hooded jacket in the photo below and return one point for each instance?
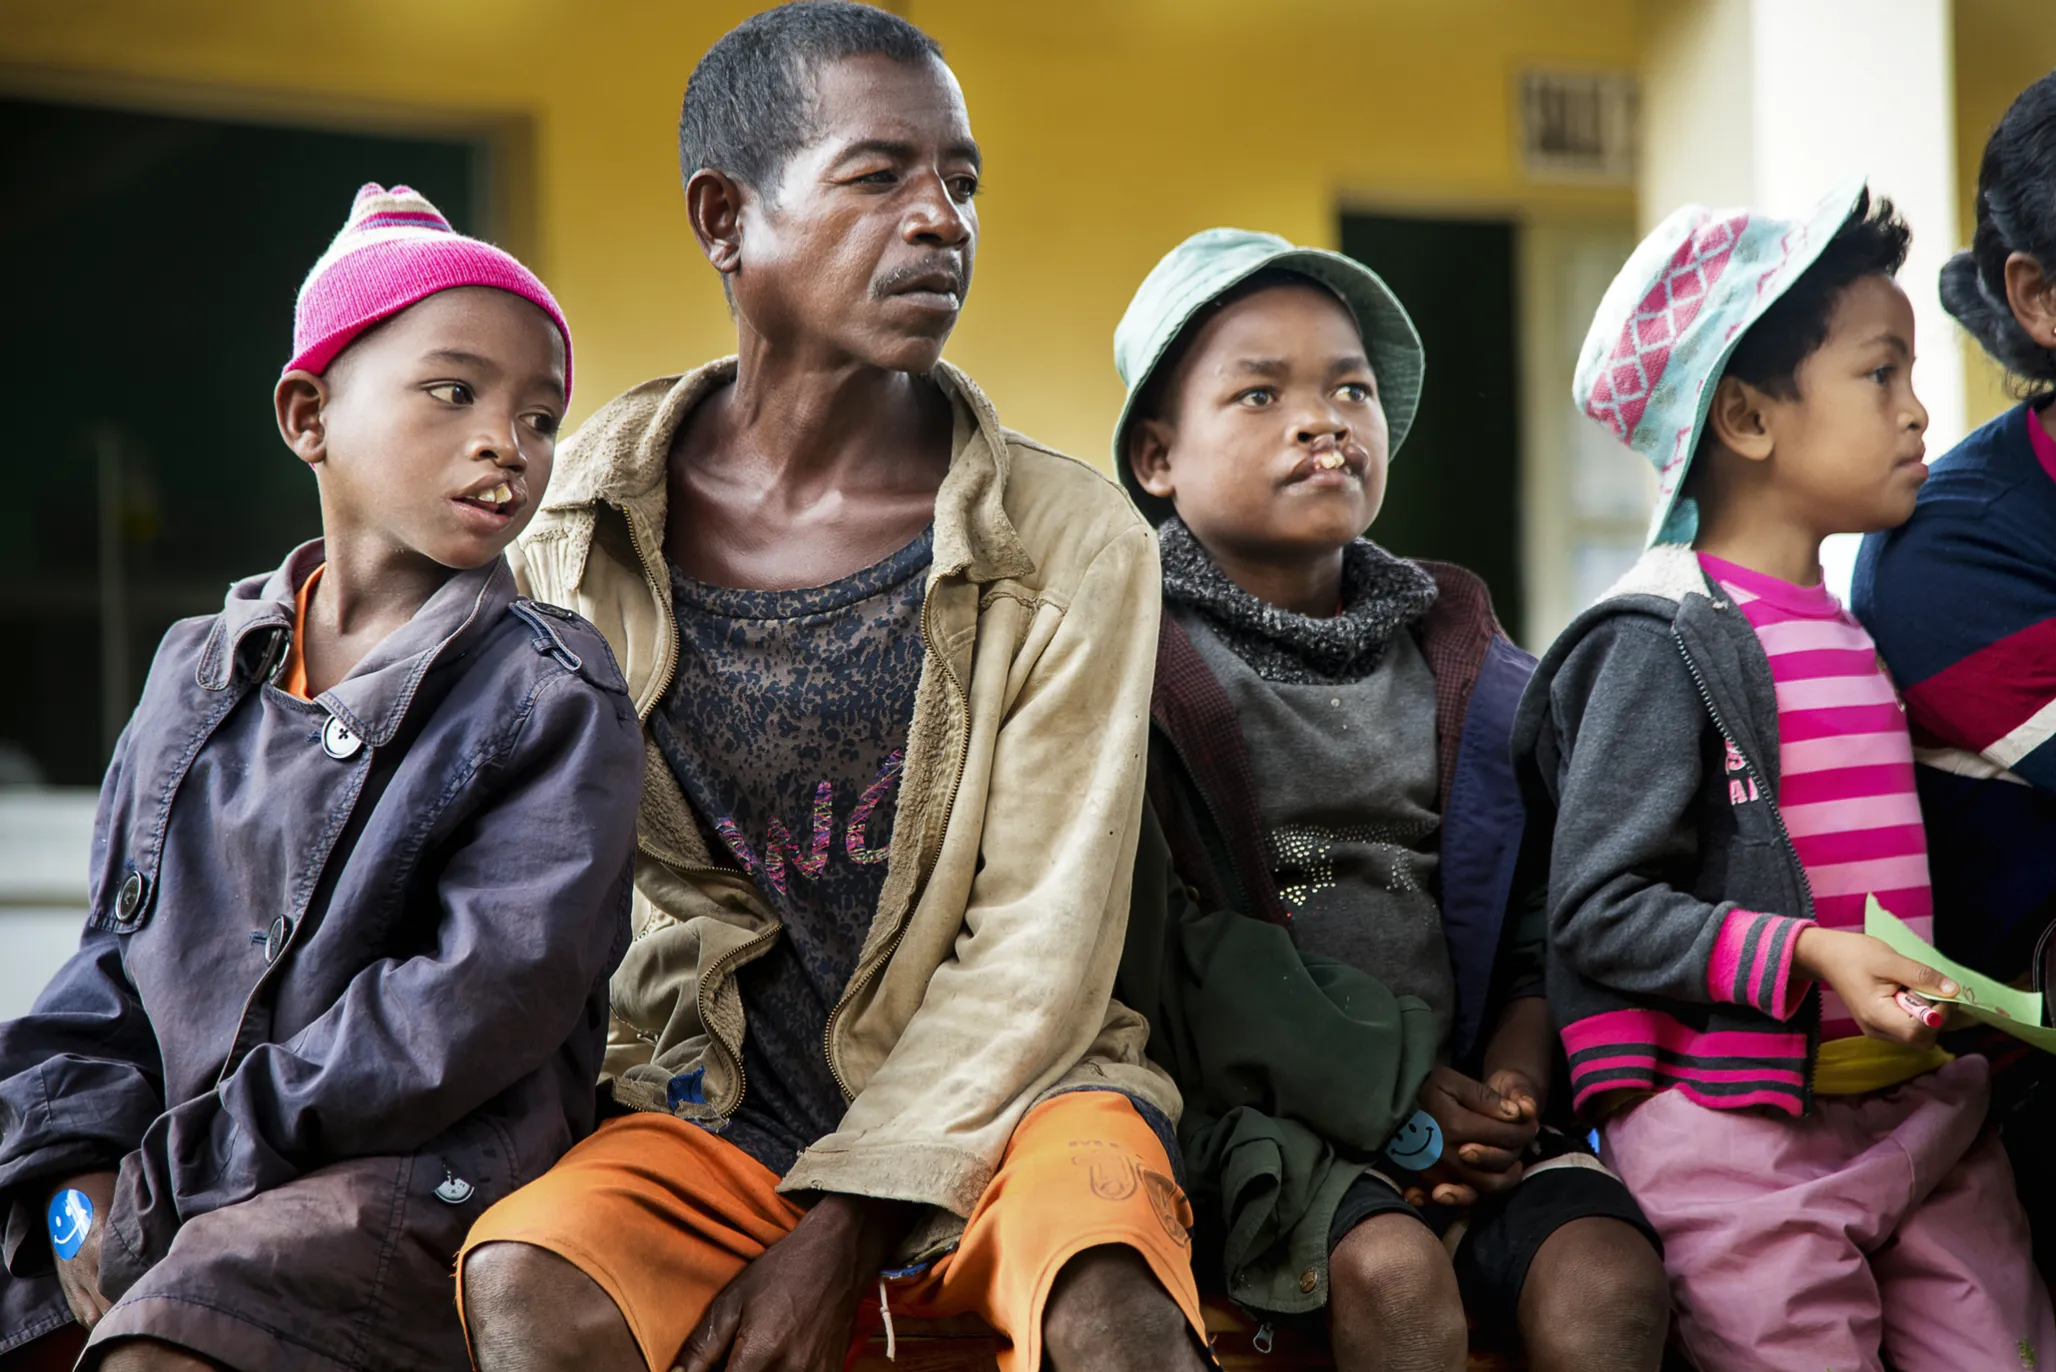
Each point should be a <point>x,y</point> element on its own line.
<point>1648,739</point>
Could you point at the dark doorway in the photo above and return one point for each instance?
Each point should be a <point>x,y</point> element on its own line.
<point>1455,489</point>
<point>151,264</point>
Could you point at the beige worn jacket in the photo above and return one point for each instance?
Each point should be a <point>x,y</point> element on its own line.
<point>985,981</point>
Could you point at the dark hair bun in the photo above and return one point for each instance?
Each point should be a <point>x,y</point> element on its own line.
<point>2016,212</point>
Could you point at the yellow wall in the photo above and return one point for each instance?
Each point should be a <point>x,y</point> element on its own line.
<point>2001,46</point>
<point>1111,128</point>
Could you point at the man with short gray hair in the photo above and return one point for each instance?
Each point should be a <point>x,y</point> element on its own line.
<point>894,663</point>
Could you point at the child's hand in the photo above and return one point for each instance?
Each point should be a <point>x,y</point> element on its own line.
<point>1867,975</point>
<point>79,1274</point>
<point>1517,1086</point>
<point>1483,1135</point>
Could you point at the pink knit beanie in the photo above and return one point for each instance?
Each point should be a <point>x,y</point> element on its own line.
<point>396,250</point>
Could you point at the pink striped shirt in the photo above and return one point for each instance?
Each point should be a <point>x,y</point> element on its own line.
<point>1845,760</point>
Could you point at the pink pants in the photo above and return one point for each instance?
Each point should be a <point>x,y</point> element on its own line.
<point>1879,1230</point>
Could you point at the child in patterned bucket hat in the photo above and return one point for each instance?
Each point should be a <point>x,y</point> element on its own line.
<point>1328,781</point>
<point>1729,778</point>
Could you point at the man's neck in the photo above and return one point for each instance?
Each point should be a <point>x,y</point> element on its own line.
<point>809,424</point>
<point>805,469</point>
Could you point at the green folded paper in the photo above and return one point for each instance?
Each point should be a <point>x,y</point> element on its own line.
<point>2018,1013</point>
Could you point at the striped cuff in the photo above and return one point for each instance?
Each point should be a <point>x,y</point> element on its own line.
<point>1752,963</point>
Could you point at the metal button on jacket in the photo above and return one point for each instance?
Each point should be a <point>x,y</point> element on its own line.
<point>130,898</point>
<point>337,740</point>
<point>275,938</point>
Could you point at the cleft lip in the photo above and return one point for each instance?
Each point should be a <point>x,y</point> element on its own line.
<point>1320,461</point>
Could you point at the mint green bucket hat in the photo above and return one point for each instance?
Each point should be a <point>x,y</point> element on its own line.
<point>1206,266</point>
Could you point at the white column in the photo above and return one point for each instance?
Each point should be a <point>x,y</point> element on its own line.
<point>1768,103</point>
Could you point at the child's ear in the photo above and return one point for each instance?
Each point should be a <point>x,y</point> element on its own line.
<point>1149,457</point>
<point>300,402</point>
<point>2031,292</point>
<point>1739,419</point>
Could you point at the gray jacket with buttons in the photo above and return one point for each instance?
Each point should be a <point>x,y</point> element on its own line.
<point>374,925</point>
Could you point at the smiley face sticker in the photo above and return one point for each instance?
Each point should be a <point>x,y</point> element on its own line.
<point>1417,1145</point>
<point>71,1219</point>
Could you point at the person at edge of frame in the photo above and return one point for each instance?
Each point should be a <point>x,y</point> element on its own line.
<point>360,873</point>
<point>1962,602</point>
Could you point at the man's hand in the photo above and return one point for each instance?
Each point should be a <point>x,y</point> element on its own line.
<point>1867,975</point>
<point>793,1309</point>
<point>79,1274</point>
<point>1484,1133</point>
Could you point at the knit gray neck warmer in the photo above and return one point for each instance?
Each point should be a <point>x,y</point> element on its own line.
<point>1381,594</point>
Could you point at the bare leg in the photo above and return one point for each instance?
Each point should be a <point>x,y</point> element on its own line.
<point>1393,1303</point>
<point>148,1355</point>
<point>1108,1313</point>
<point>528,1310</point>
<point>1596,1300</point>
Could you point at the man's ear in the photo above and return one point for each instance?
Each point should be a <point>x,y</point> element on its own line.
<point>1149,457</point>
<point>300,403</point>
<point>713,201</point>
<point>2031,291</point>
<point>1739,420</point>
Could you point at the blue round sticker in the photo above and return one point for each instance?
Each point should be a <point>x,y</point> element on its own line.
<point>1418,1143</point>
<point>71,1219</point>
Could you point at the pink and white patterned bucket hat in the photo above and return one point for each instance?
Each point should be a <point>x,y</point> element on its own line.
<point>1668,324</point>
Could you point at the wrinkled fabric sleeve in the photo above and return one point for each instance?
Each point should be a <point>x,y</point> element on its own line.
<point>82,1082</point>
<point>1033,969</point>
<point>533,913</point>
<point>80,1074</point>
<point>1629,723</point>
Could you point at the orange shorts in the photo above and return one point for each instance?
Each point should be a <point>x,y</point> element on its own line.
<point>663,1215</point>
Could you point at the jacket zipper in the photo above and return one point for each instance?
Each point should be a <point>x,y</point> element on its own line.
<point>949,805</point>
<point>663,598</point>
<point>670,673</point>
<point>1777,816</point>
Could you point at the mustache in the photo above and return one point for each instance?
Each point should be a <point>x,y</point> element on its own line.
<point>936,264</point>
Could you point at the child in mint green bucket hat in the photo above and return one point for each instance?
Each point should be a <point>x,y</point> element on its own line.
<point>1335,872</point>
<point>1728,780</point>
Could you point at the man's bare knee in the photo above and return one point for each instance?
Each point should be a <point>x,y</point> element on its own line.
<point>528,1310</point>
<point>1107,1311</point>
<point>1393,1301</point>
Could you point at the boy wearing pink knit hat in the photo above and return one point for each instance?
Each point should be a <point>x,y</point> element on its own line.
<point>359,876</point>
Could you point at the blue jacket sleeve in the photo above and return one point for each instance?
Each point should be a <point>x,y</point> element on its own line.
<point>534,913</point>
<point>1965,618</point>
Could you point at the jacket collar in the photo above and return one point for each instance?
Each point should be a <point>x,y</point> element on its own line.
<point>373,699</point>
<point>621,457</point>
<point>1192,710</point>
<point>1668,571</point>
